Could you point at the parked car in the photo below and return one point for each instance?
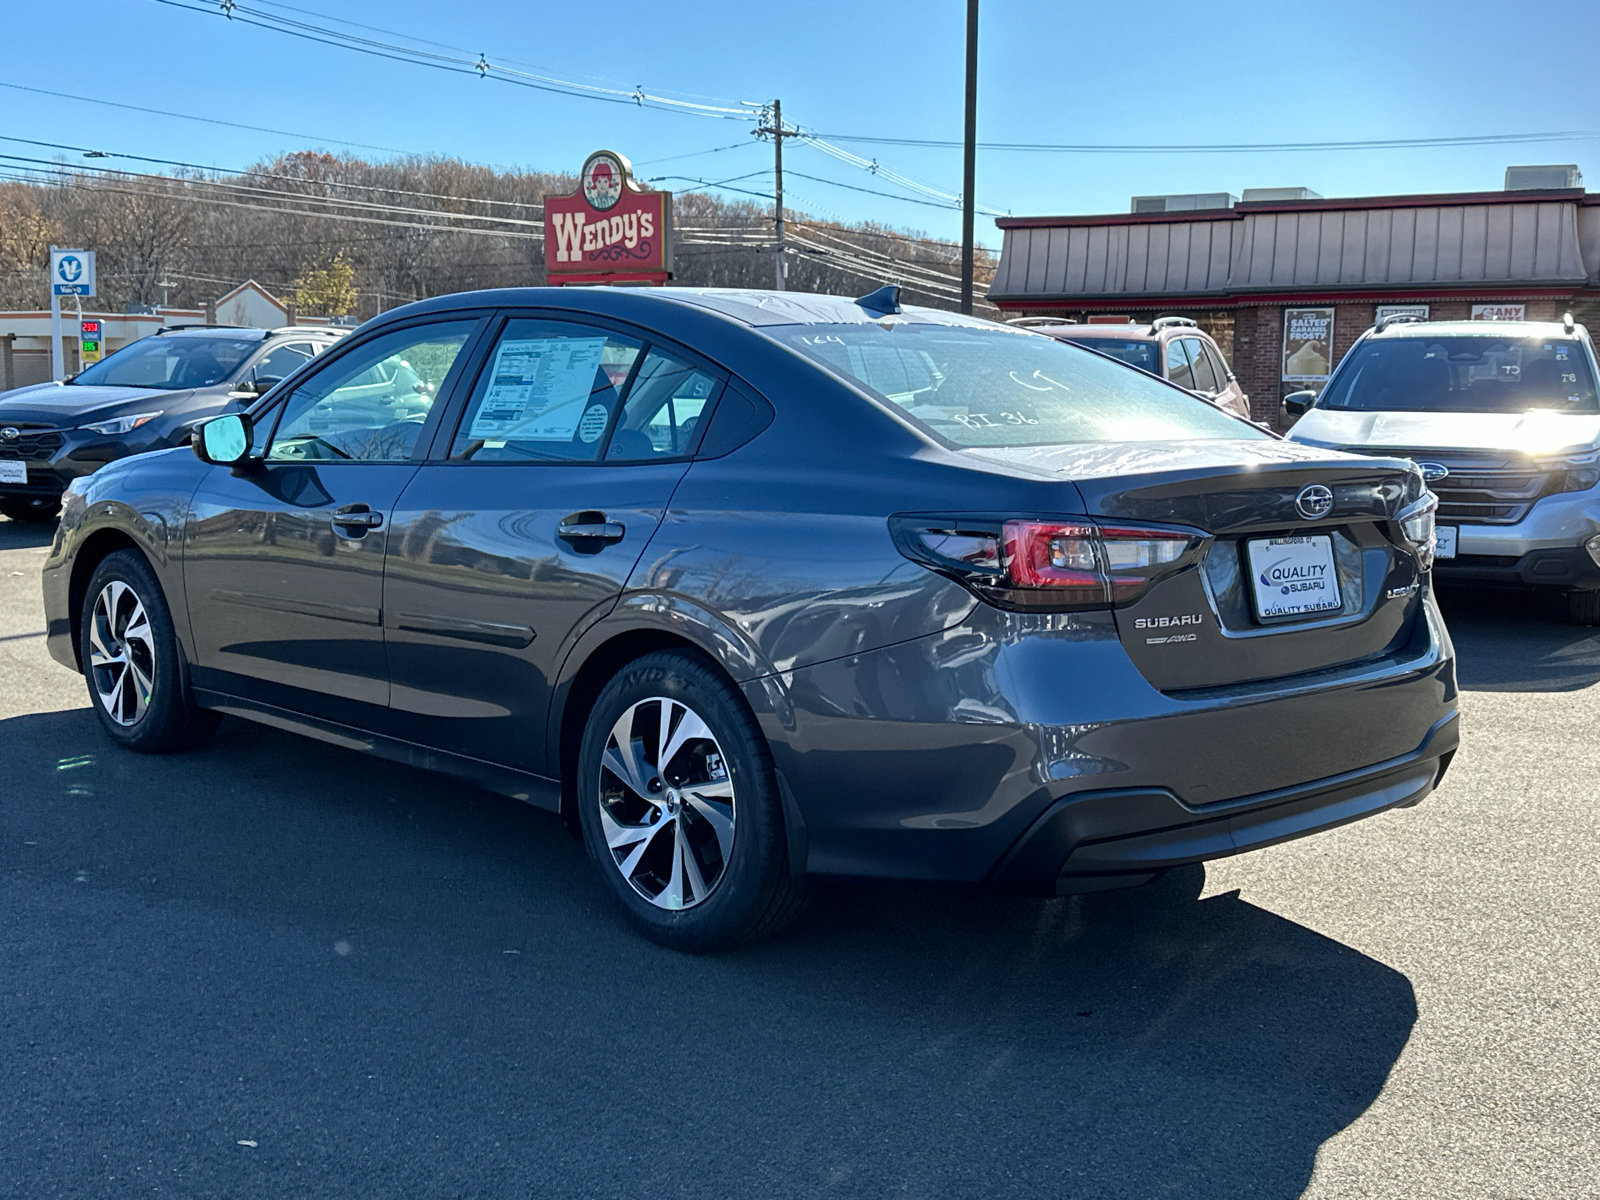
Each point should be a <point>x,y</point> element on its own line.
<point>1502,418</point>
<point>753,586</point>
<point>1174,348</point>
<point>147,396</point>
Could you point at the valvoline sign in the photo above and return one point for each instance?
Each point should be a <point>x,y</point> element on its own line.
<point>609,228</point>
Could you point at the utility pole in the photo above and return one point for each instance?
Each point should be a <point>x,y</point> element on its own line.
<point>777,146</point>
<point>969,170</point>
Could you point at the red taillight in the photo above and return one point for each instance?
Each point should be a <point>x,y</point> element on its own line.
<point>1091,564</point>
<point>1042,554</point>
<point>1047,565</point>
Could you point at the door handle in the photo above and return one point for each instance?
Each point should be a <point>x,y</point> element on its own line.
<point>589,528</point>
<point>353,520</point>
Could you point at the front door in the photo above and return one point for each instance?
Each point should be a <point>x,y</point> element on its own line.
<point>283,561</point>
<point>557,475</point>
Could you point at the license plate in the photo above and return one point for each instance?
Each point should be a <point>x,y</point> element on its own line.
<point>12,471</point>
<point>1293,575</point>
<point>1444,541</point>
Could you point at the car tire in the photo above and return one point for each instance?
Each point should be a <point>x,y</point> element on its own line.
<point>132,661</point>
<point>695,847</point>
<point>1583,608</point>
<point>22,509</point>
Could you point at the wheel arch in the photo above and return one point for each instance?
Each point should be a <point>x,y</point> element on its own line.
<point>597,666</point>
<point>96,548</point>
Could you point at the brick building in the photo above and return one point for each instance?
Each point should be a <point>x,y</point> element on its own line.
<point>1239,269</point>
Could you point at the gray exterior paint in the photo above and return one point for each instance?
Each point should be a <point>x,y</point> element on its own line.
<point>1318,246</point>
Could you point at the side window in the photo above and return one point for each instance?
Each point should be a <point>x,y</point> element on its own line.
<point>1204,379</point>
<point>548,393</point>
<point>1179,369</point>
<point>1218,366</point>
<point>278,363</point>
<point>663,411</point>
<point>369,405</point>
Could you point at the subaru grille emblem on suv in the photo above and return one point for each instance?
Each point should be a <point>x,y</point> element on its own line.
<point>1314,502</point>
<point>1432,471</point>
<point>11,433</point>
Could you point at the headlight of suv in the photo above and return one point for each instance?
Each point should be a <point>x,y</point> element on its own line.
<point>1579,472</point>
<point>120,425</point>
<point>1416,522</point>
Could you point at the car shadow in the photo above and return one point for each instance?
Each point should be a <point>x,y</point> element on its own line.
<point>388,982</point>
<point>1517,641</point>
<point>21,535</point>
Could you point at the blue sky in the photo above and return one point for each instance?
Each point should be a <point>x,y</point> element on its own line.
<point>1051,72</point>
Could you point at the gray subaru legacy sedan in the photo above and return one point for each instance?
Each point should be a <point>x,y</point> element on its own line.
<point>756,586</point>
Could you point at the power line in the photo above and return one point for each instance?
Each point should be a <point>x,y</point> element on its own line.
<point>484,69</point>
<point>160,112</point>
<point>461,49</point>
<point>247,171</point>
<point>1487,139</point>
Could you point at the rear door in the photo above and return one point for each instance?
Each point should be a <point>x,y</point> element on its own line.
<point>521,531</point>
<point>283,563</point>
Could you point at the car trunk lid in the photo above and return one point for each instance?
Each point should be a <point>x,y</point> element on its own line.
<point>1231,617</point>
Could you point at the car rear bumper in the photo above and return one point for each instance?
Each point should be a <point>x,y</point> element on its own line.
<point>1100,840</point>
<point>943,758</point>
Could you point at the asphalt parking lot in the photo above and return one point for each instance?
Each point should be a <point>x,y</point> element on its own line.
<point>275,968</point>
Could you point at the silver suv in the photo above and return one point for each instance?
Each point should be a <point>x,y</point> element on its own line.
<point>1175,348</point>
<point>1504,420</point>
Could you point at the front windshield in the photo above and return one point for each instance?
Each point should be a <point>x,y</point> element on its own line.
<point>1134,353</point>
<point>1470,373</point>
<point>975,385</point>
<point>168,362</point>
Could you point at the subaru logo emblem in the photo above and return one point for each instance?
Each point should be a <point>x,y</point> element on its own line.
<point>1432,471</point>
<point>11,433</point>
<point>1314,502</point>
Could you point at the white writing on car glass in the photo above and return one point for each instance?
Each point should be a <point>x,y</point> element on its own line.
<point>979,387</point>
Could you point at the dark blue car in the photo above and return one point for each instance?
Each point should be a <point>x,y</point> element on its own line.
<point>758,586</point>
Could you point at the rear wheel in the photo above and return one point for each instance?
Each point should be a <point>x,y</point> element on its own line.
<point>21,508</point>
<point>131,660</point>
<point>680,808</point>
<point>1583,608</point>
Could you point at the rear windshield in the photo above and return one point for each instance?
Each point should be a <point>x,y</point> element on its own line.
<point>1134,353</point>
<point>992,386</point>
<point>1470,373</point>
<point>170,362</point>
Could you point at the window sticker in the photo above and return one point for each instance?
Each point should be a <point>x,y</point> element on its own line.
<point>537,387</point>
<point>593,423</point>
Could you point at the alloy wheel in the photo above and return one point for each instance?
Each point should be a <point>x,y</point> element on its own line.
<point>122,653</point>
<point>666,803</point>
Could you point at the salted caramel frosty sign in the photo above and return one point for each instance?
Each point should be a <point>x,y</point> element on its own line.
<point>610,229</point>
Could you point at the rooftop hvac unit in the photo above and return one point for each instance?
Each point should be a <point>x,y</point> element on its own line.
<point>1538,179</point>
<point>1278,195</point>
<point>1187,203</point>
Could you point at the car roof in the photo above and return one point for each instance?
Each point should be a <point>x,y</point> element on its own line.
<point>1125,332</point>
<point>1514,329</point>
<point>751,307</point>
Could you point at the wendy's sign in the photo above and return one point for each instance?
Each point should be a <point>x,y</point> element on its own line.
<point>610,230</point>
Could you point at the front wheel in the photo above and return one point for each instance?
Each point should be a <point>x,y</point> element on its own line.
<point>129,652</point>
<point>1583,608</point>
<point>680,809</point>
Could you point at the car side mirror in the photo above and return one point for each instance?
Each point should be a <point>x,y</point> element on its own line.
<point>223,441</point>
<point>1297,404</point>
<point>265,383</point>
